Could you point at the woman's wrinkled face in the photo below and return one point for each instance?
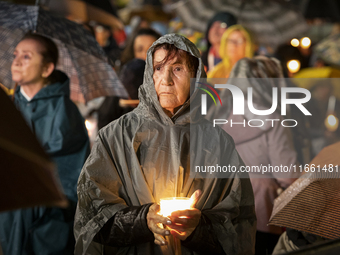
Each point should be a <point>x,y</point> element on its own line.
<point>27,66</point>
<point>172,81</point>
<point>236,46</point>
<point>216,31</point>
<point>141,45</point>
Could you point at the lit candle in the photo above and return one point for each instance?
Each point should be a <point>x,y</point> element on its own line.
<point>172,204</point>
<point>167,206</point>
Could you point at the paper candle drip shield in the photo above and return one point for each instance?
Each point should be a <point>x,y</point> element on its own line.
<point>172,204</point>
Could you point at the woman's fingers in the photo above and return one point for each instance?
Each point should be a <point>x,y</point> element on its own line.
<point>190,213</point>
<point>155,222</point>
<point>186,218</point>
<point>160,240</point>
<point>195,197</point>
<point>154,208</point>
<point>181,223</point>
<point>180,235</point>
<point>184,222</point>
<point>179,228</point>
<point>158,219</point>
<point>159,233</point>
<point>157,230</point>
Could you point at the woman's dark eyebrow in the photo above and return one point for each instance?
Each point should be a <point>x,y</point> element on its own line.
<point>178,62</point>
<point>175,63</point>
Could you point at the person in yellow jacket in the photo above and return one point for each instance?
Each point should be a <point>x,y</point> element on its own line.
<point>236,43</point>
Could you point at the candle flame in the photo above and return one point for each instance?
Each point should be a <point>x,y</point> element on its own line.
<point>169,205</point>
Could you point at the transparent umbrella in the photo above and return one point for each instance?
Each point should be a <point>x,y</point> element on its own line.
<point>272,23</point>
<point>81,57</point>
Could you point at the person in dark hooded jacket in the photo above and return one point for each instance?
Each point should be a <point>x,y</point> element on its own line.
<point>217,25</point>
<point>148,154</point>
<point>43,99</point>
<point>114,107</point>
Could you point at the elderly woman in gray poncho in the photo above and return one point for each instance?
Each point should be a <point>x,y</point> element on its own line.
<point>146,155</point>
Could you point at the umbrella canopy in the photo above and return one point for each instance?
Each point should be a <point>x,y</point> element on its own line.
<point>147,12</point>
<point>312,203</point>
<point>322,9</point>
<point>329,155</point>
<point>309,77</point>
<point>105,5</point>
<point>80,56</point>
<point>271,22</point>
<point>27,176</point>
<point>86,11</point>
<point>329,50</point>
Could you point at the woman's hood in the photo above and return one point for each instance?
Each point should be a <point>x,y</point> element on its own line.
<point>59,88</point>
<point>147,93</point>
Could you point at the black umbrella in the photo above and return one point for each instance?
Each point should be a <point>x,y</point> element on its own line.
<point>324,9</point>
<point>27,176</point>
<point>104,5</point>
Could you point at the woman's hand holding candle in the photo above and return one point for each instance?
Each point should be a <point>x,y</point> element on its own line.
<point>153,219</point>
<point>181,222</point>
<point>184,222</point>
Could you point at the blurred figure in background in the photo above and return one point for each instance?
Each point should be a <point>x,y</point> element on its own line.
<point>285,53</point>
<point>132,76</point>
<point>301,137</point>
<point>104,37</point>
<point>322,105</point>
<point>138,44</point>
<point>42,96</point>
<point>258,146</point>
<point>113,107</point>
<point>216,27</point>
<point>236,43</point>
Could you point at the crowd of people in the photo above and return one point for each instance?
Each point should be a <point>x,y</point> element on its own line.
<point>147,143</point>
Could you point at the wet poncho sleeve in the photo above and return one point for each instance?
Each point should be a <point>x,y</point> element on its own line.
<point>127,227</point>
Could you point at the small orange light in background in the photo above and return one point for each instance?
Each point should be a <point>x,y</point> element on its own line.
<point>295,42</point>
<point>91,127</point>
<point>332,123</point>
<point>88,125</point>
<point>305,42</point>
<point>293,66</point>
